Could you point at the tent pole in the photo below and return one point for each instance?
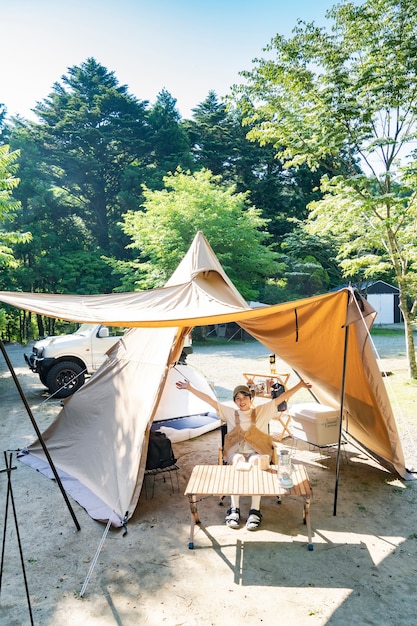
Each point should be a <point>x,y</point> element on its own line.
<point>342,400</point>
<point>10,497</point>
<point>38,433</point>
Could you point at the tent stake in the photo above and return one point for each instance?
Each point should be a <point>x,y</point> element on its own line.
<point>38,433</point>
<point>342,399</point>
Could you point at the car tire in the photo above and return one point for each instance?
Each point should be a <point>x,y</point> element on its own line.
<point>43,377</point>
<point>64,379</point>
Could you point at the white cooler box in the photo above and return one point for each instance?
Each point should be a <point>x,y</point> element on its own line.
<point>315,423</point>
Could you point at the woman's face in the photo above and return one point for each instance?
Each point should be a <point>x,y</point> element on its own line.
<point>243,401</point>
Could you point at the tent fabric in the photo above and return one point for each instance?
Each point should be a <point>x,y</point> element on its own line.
<point>99,439</point>
<point>173,404</point>
<point>310,337</point>
<point>100,436</point>
<point>198,290</point>
<point>309,334</point>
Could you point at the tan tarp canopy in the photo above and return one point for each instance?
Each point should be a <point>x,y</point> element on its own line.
<point>324,339</point>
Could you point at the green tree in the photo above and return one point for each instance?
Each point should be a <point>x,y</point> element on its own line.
<point>170,144</point>
<point>92,130</point>
<point>62,255</point>
<point>346,99</point>
<point>10,238</point>
<point>212,134</point>
<point>8,207</point>
<point>283,193</point>
<point>61,237</point>
<point>3,112</point>
<point>310,264</point>
<point>219,143</point>
<point>164,230</point>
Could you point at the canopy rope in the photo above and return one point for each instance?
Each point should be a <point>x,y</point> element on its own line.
<point>95,559</point>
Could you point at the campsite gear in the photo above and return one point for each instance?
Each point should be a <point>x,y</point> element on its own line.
<point>284,469</point>
<point>315,423</point>
<point>213,480</point>
<point>266,390</point>
<point>10,498</point>
<point>254,520</point>
<point>324,338</point>
<point>269,383</point>
<point>160,453</point>
<point>264,462</point>
<point>40,441</point>
<point>188,427</point>
<point>164,472</point>
<point>276,390</point>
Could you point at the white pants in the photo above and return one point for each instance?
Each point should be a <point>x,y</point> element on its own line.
<point>254,460</point>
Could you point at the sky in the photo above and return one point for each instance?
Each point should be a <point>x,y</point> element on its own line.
<point>187,47</point>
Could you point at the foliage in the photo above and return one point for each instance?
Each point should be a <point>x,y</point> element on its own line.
<point>8,206</point>
<point>307,267</point>
<point>163,232</point>
<point>374,231</point>
<point>3,112</point>
<point>170,143</point>
<point>96,153</point>
<point>345,99</point>
<point>212,134</point>
<point>91,130</point>
<point>219,143</point>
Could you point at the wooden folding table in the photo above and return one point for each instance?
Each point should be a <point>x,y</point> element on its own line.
<point>227,480</point>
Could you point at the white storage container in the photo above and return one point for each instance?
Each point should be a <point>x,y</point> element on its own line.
<point>315,423</point>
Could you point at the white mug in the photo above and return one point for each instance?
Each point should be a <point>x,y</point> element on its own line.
<point>264,461</point>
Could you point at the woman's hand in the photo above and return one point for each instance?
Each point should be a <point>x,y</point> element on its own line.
<point>182,384</point>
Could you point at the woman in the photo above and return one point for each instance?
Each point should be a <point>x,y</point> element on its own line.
<point>247,437</point>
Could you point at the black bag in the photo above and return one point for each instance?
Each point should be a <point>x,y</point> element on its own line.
<point>160,452</point>
<point>276,390</point>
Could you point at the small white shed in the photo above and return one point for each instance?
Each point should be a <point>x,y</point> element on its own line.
<point>385,300</point>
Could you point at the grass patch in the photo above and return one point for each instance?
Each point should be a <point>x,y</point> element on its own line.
<point>387,332</point>
<point>402,392</point>
<point>219,341</point>
<point>210,341</point>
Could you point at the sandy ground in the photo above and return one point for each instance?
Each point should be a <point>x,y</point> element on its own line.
<point>362,570</point>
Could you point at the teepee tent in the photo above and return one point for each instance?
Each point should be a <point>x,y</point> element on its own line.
<point>99,440</point>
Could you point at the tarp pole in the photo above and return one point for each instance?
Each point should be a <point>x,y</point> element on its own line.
<point>342,400</point>
<point>38,433</point>
<point>10,497</point>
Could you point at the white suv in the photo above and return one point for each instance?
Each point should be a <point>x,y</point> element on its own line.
<point>63,361</point>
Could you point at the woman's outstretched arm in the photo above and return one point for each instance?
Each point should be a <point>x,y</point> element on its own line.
<point>185,384</point>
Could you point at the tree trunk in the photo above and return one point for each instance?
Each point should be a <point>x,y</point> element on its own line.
<point>409,339</point>
<point>41,328</point>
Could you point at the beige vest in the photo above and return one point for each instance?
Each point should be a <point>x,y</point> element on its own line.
<point>258,440</point>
